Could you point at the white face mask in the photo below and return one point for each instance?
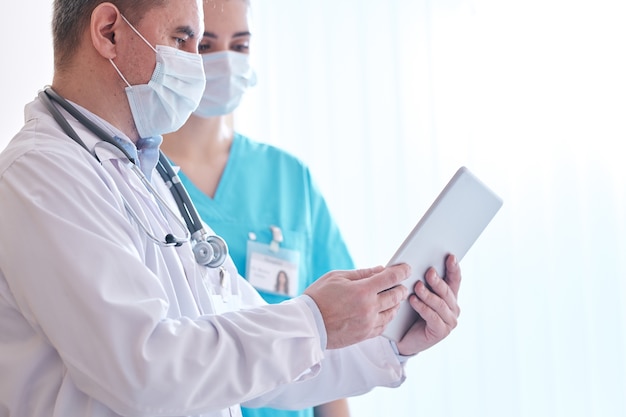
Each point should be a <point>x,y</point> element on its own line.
<point>228,76</point>
<point>174,91</point>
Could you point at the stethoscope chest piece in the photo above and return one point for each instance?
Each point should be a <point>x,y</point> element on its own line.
<point>210,251</point>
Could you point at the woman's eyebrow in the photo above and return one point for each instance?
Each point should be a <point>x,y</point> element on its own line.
<point>240,34</point>
<point>235,35</point>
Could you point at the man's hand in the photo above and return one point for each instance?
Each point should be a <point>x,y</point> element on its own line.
<point>438,309</point>
<point>357,305</point>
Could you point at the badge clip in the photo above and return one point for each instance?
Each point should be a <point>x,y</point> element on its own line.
<point>277,238</point>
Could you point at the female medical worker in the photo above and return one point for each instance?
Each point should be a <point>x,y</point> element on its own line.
<point>260,199</point>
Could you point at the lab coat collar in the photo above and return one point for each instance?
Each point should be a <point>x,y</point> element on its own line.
<point>145,152</point>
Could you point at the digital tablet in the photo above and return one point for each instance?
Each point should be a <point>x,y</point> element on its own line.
<point>450,226</point>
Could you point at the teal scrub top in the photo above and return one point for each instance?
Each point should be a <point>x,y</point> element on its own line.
<point>265,186</point>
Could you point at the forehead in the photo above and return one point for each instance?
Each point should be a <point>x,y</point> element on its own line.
<point>226,15</point>
<point>175,14</point>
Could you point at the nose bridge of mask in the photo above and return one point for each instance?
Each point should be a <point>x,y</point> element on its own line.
<point>217,64</point>
<point>185,65</point>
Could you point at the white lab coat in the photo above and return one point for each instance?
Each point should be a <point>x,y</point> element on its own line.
<point>96,320</point>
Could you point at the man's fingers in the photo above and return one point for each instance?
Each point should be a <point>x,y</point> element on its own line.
<point>380,278</point>
<point>384,317</point>
<point>443,291</point>
<point>453,274</point>
<point>436,327</point>
<point>357,274</point>
<point>440,300</point>
<point>391,298</point>
<point>358,304</point>
<point>389,277</point>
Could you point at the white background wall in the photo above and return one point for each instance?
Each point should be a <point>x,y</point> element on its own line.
<point>384,100</point>
<point>27,61</point>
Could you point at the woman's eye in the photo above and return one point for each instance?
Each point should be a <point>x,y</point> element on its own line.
<point>204,47</point>
<point>241,48</point>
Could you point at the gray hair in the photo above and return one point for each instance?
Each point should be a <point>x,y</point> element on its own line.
<point>70,18</point>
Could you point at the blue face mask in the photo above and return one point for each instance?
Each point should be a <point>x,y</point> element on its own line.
<point>228,77</point>
<point>172,94</point>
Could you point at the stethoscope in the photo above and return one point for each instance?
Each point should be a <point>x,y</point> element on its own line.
<point>209,250</point>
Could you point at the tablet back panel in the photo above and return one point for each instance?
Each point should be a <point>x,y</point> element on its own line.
<point>450,226</point>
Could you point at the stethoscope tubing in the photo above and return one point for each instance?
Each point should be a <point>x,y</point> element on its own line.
<point>193,227</point>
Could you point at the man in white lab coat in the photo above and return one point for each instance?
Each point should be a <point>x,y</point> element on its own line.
<point>96,319</point>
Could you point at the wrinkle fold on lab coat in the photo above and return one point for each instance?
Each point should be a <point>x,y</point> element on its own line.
<point>97,320</point>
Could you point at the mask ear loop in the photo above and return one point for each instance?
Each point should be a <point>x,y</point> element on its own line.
<point>142,38</point>
<point>137,32</point>
<point>120,73</point>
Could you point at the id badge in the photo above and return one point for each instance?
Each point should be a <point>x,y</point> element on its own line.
<point>273,269</point>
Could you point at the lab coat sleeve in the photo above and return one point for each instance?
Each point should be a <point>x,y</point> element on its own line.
<point>345,372</point>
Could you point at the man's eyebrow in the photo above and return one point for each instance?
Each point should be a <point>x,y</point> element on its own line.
<point>235,35</point>
<point>187,30</point>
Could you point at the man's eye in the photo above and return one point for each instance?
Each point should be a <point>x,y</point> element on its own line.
<point>204,47</point>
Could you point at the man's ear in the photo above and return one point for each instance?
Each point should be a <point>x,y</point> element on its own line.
<point>105,21</point>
